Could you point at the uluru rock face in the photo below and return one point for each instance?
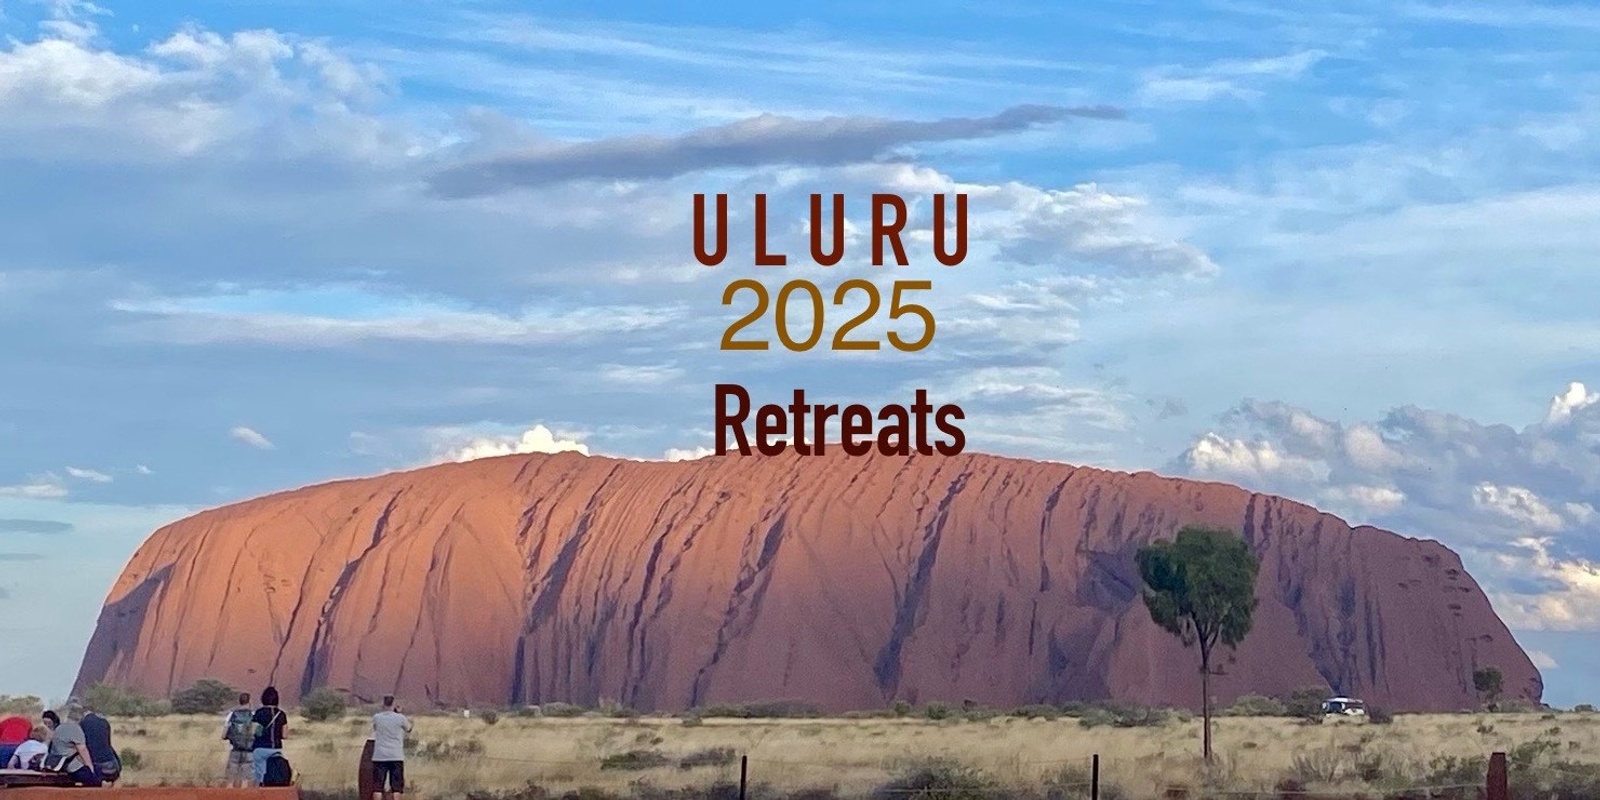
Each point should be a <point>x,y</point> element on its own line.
<point>844,582</point>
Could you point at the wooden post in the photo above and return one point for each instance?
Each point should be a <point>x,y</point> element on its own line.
<point>1497,788</point>
<point>365,787</point>
<point>1094,778</point>
<point>744,776</point>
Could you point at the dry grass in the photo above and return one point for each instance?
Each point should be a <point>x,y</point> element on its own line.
<point>852,756</point>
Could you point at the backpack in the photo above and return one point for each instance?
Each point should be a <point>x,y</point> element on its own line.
<point>278,772</point>
<point>241,731</point>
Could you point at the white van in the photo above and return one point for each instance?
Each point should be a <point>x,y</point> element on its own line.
<point>1343,707</point>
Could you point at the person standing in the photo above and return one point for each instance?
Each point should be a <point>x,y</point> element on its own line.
<point>67,742</point>
<point>238,730</point>
<point>269,721</point>
<point>389,729</point>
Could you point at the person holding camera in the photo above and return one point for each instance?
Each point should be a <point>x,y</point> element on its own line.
<point>389,729</point>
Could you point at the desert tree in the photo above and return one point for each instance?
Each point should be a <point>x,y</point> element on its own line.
<point>1488,683</point>
<point>1200,587</point>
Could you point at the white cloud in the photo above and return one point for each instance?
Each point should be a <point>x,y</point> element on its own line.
<point>251,437</point>
<point>1543,660</point>
<point>88,475</point>
<point>1212,455</point>
<point>1363,502</point>
<point>695,454</point>
<point>1570,599</point>
<point>143,470</point>
<point>538,439</point>
<point>46,487</point>
<point>1520,505</point>
<point>1517,504</point>
<point>1574,398</point>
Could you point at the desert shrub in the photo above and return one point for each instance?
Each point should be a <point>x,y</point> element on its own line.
<point>115,701</point>
<point>1124,716</point>
<point>1379,716</point>
<point>1516,705</point>
<point>1289,789</point>
<point>1254,705</point>
<point>936,711</point>
<point>490,717</point>
<point>1072,783</point>
<point>940,778</point>
<point>1074,708</point>
<point>1317,766</point>
<point>1305,702</point>
<point>1449,770</point>
<point>984,714</point>
<point>131,759</point>
<point>634,759</point>
<point>560,710</point>
<point>322,705</point>
<point>715,757</point>
<point>25,705</point>
<point>206,696</point>
<point>1037,712</point>
<point>444,750</point>
<point>762,709</point>
<point>902,708</point>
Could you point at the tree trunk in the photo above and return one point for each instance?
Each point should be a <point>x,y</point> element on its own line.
<point>1205,699</point>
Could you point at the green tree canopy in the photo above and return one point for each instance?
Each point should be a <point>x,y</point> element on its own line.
<point>1200,587</point>
<point>206,696</point>
<point>1488,683</point>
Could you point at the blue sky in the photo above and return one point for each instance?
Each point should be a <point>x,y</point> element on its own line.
<point>1342,252</point>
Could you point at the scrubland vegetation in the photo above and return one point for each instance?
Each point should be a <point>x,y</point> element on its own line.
<point>1265,747</point>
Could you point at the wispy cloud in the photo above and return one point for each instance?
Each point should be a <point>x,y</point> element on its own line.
<point>45,487</point>
<point>251,437</point>
<point>765,140</point>
<point>1238,78</point>
<point>1571,16</point>
<point>95,476</point>
<point>207,320</point>
<point>40,526</point>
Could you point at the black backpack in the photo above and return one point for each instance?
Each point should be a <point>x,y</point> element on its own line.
<point>279,773</point>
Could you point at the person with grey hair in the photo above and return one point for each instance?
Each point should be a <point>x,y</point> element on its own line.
<point>70,749</point>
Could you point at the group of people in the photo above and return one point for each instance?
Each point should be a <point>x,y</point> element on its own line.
<point>255,737</point>
<point>79,746</point>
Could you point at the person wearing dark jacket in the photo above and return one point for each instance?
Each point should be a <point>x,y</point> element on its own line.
<point>97,736</point>
<point>269,722</point>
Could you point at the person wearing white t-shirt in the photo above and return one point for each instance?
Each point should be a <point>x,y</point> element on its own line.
<point>34,746</point>
<point>389,729</point>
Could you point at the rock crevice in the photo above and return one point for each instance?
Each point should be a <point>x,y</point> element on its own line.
<point>844,583</point>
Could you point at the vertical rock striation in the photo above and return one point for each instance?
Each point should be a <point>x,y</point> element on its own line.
<point>844,582</point>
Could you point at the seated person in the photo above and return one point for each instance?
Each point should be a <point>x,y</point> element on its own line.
<point>97,737</point>
<point>27,753</point>
<point>68,742</point>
